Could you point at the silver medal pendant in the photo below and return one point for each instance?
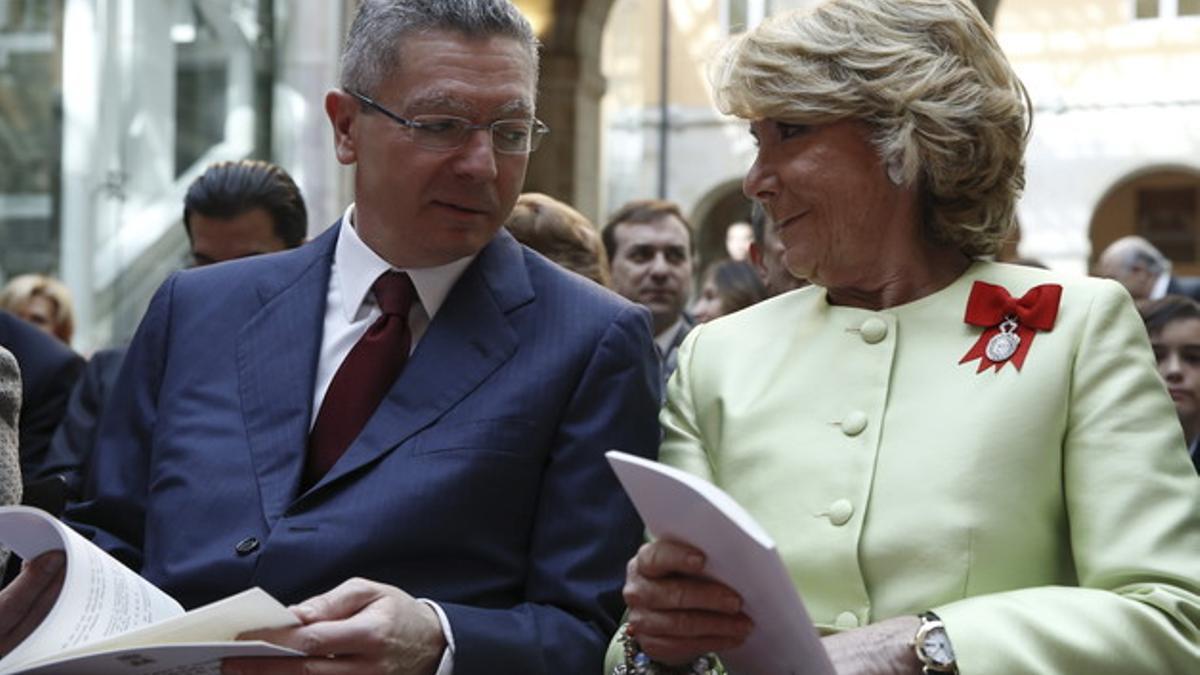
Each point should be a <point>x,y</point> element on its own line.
<point>1004,344</point>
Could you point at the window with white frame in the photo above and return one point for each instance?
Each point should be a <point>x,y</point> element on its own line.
<point>1165,9</point>
<point>738,16</point>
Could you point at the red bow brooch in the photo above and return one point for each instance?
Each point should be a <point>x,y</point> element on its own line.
<point>1010,323</point>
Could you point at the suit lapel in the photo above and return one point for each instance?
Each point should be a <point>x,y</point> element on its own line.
<point>277,353</point>
<point>467,341</point>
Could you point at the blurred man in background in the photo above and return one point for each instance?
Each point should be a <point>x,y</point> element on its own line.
<point>1143,270</point>
<point>649,246</point>
<point>766,255</point>
<point>233,210</point>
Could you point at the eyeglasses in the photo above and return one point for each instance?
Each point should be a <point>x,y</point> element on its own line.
<point>447,132</point>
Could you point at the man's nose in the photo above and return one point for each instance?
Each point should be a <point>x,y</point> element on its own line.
<point>477,156</point>
<point>1172,367</point>
<point>659,265</point>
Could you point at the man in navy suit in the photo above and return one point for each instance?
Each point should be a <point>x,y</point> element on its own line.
<point>235,209</point>
<point>478,484</point>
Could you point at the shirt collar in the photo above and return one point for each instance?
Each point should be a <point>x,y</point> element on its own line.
<point>665,339</point>
<point>1160,286</point>
<point>357,267</point>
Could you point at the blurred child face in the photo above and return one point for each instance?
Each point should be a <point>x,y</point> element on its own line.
<point>709,305</point>
<point>1177,350</point>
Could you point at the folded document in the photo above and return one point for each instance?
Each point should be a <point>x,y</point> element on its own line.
<point>677,506</point>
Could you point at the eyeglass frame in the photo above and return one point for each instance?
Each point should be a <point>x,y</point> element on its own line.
<point>537,128</point>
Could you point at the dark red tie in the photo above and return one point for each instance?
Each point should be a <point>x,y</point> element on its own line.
<point>364,378</point>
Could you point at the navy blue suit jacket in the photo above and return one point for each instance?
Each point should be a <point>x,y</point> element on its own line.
<point>76,435</point>
<point>48,372</point>
<point>480,481</point>
<point>1186,286</point>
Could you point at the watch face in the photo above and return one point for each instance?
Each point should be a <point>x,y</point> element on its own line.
<point>937,647</point>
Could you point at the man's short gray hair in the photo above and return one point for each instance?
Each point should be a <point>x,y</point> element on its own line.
<point>1132,252</point>
<point>372,51</point>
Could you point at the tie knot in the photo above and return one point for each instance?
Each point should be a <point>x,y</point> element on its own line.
<point>394,292</point>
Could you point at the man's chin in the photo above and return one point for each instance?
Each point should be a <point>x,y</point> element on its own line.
<point>665,316</point>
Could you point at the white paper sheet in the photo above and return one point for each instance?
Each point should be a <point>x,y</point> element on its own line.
<point>678,506</point>
<point>100,597</point>
<point>107,619</point>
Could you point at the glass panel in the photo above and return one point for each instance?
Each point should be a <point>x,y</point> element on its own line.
<point>1147,9</point>
<point>30,135</point>
<point>213,75</point>
<point>738,14</point>
<point>201,89</point>
<point>1189,7</point>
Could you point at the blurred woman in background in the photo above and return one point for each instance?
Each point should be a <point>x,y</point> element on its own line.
<point>727,286</point>
<point>42,301</point>
<point>560,233</point>
<point>1173,323</point>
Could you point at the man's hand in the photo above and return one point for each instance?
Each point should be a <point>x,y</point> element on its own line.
<point>28,599</point>
<point>359,627</point>
<point>676,614</point>
<point>883,648</point>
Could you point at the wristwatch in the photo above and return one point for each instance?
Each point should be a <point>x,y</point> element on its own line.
<point>932,646</point>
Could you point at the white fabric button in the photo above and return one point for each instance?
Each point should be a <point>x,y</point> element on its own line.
<point>840,512</point>
<point>873,330</point>
<point>854,422</point>
<point>846,620</point>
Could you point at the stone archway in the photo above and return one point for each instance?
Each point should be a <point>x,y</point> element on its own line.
<point>722,205</point>
<point>1160,203</point>
<point>567,166</point>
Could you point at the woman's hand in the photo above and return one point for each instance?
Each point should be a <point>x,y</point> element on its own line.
<point>676,614</point>
<point>28,599</point>
<point>883,648</point>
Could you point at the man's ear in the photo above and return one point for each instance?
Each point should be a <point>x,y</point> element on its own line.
<point>343,110</point>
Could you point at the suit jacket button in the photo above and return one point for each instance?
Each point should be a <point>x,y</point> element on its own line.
<point>846,620</point>
<point>840,512</point>
<point>246,546</point>
<point>873,330</point>
<point>854,423</point>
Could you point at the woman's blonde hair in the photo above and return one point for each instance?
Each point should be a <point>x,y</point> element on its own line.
<point>20,290</point>
<point>947,110</point>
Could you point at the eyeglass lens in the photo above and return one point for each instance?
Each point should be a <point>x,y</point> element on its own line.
<point>445,133</point>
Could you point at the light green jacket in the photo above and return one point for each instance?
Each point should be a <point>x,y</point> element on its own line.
<point>1050,515</point>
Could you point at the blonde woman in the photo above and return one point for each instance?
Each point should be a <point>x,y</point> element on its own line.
<point>967,466</point>
<point>42,301</point>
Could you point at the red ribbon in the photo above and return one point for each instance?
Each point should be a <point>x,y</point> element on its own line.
<point>990,305</point>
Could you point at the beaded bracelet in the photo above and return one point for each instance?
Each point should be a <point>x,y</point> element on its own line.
<point>638,663</point>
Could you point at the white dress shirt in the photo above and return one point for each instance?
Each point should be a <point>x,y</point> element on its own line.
<point>1160,285</point>
<point>350,309</point>
<point>665,339</point>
